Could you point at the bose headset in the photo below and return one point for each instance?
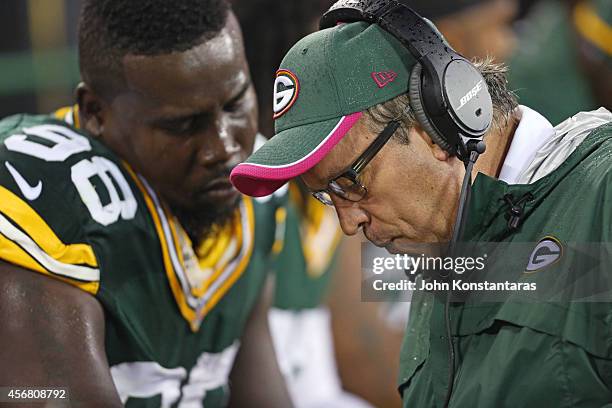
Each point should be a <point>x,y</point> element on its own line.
<point>448,95</point>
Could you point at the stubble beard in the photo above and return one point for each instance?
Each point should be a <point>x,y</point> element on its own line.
<point>199,222</point>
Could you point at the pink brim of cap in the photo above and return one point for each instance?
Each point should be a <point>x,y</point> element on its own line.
<point>259,180</point>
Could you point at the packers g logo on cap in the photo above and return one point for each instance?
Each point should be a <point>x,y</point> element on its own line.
<point>286,90</point>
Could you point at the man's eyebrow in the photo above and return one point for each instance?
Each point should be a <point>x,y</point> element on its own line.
<point>166,120</point>
<point>328,177</point>
<point>336,172</point>
<point>240,93</point>
<point>307,187</point>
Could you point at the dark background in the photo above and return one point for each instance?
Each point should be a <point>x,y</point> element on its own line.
<point>38,57</point>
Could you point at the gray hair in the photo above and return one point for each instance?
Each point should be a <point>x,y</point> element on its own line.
<point>504,103</point>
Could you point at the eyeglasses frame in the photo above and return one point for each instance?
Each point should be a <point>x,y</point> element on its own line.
<point>352,172</point>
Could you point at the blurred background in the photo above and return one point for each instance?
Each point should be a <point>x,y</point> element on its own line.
<point>560,57</point>
<point>38,58</point>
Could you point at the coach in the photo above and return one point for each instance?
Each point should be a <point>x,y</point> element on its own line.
<point>347,126</point>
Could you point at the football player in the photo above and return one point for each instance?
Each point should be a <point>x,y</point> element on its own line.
<point>131,267</point>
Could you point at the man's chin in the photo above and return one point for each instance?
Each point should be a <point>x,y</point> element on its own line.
<point>403,246</point>
<point>226,196</point>
<point>204,211</point>
<point>392,249</point>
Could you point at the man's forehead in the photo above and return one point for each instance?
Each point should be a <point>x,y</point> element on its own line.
<point>205,75</point>
<point>340,157</point>
<point>204,63</point>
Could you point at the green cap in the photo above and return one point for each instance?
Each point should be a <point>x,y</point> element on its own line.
<point>324,84</point>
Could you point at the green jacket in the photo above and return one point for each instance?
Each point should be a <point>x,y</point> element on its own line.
<point>524,354</point>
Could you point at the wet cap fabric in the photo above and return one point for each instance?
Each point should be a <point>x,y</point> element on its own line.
<point>324,84</point>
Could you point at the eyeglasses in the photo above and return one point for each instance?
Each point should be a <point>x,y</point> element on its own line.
<point>346,185</point>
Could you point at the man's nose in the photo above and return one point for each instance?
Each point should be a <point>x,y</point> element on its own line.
<point>350,215</point>
<point>221,146</point>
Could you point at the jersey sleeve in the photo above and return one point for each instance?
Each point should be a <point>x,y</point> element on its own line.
<point>42,213</point>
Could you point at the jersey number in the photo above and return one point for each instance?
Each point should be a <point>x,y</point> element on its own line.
<point>54,143</point>
<point>146,379</point>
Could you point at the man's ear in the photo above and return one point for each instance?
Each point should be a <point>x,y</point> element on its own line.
<point>436,151</point>
<point>91,109</point>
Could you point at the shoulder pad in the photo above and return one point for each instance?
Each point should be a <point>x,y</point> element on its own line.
<point>54,183</point>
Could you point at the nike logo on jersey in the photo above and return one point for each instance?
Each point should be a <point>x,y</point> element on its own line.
<point>28,191</point>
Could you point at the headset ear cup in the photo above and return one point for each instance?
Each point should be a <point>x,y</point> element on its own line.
<point>416,103</point>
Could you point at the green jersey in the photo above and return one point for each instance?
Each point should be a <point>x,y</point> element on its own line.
<point>72,210</point>
<point>311,241</point>
<point>546,58</point>
<point>300,323</point>
<point>518,353</point>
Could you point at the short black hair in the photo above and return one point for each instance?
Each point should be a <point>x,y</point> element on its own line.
<point>111,29</point>
<point>265,49</point>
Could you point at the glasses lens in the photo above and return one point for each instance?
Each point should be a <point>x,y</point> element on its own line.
<point>323,196</point>
<point>348,188</point>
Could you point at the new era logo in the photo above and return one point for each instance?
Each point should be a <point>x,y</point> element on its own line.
<point>383,78</point>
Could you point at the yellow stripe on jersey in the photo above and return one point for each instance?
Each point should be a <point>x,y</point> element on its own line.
<point>75,117</point>
<point>233,263</point>
<point>319,231</point>
<point>69,114</point>
<point>37,247</point>
<point>280,215</point>
<point>186,311</point>
<point>13,253</point>
<point>213,247</point>
<point>34,226</point>
<point>194,308</point>
<point>232,240</point>
<point>320,239</point>
<point>240,268</point>
<point>592,27</point>
<point>61,113</point>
